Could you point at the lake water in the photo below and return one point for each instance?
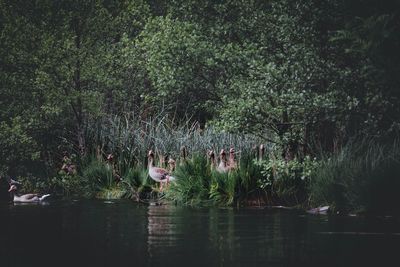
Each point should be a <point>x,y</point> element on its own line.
<point>124,233</point>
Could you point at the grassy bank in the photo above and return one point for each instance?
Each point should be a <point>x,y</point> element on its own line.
<point>363,176</point>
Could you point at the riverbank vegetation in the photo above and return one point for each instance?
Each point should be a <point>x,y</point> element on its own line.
<point>88,87</point>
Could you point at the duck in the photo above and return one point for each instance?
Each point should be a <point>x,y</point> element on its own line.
<point>232,162</point>
<point>112,166</point>
<point>159,175</point>
<point>222,166</point>
<point>319,210</point>
<point>211,157</point>
<point>171,165</point>
<point>27,198</point>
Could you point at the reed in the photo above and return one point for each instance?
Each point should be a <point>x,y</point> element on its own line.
<point>129,138</point>
<point>362,177</point>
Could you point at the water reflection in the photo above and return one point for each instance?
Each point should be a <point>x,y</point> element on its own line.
<point>225,236</point>
<point>161,228</point>
<point>123,233</point>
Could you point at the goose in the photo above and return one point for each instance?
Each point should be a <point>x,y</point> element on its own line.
<point>158,174</point>
<point>111,165</point>
<point>110,157</point>
<point>319,210</point>
<point>171,165</point>
<point>222,166</point>
<point>232,163</point>
<point>211,156</point>
<point>27,197</point>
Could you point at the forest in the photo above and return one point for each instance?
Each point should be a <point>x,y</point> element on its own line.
<point>306,92</point>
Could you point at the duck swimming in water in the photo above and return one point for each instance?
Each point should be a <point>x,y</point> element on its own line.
<point>26,198</point>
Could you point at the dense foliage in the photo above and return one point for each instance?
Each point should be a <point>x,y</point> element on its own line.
<point>305,76</point>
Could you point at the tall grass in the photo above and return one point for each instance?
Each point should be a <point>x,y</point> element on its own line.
<point>129,138</point>
<point>363,177</point>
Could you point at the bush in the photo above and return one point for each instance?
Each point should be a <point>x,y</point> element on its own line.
<point>286,181</point>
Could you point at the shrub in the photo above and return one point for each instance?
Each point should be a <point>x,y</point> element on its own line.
<point>287,180</point>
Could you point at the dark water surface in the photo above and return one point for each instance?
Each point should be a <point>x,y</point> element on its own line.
<point>123,233</point>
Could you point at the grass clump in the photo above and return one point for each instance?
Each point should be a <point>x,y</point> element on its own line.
<point>192,185</point>
<point>137,183</point>
<point>98,179</point>
<point>197,183</point>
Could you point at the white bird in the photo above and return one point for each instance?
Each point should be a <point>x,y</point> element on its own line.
<point>211,156</point>
<point>27,197</point>
<point>222,166</point>
<point>158,174</point>
<point>171,165</point>
<point>319,210</point>
<point>232,162</point>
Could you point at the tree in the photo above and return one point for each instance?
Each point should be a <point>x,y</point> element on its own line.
<point>62,64</point>
<point>180,64</point>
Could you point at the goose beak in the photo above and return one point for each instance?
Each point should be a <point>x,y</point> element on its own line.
<point>12,188</point>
